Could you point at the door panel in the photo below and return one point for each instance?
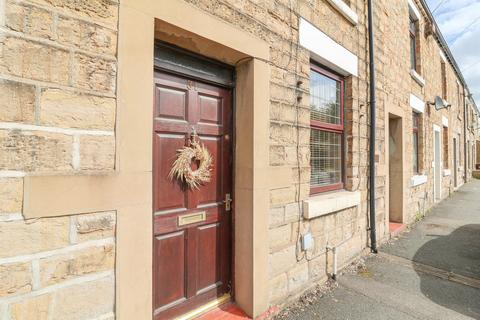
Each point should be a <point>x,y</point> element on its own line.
<point>212,193</point>
<point>208,273</point>
<point>191,261</point>
<point>173,197</point>
<point>170,247</point>
<point>172,103</point>
<point>210,109</point>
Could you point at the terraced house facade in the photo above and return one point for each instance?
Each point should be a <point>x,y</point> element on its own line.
<point>273,97</point>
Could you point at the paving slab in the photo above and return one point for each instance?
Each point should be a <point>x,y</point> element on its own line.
<point>347,304</point>
<point>430,272</point>
<point>449,237</point>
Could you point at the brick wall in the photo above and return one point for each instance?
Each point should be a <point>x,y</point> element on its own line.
<point>57,116</point>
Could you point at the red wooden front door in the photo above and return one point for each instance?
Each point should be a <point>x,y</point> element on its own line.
<point>191,262</point>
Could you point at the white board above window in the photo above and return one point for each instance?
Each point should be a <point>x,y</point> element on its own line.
<point>414,10</point>
<point>327,51</point>
<point>417,104</point>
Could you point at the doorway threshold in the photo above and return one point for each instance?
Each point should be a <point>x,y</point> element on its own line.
<point>206,308</point>
<point>396,228</point>
<point>226,311</point>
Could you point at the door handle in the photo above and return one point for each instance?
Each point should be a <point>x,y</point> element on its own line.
<point>228,200</point>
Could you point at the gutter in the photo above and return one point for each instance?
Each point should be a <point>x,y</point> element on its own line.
<point>373,124</point>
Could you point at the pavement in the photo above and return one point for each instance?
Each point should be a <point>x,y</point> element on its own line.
<point>431,271</point>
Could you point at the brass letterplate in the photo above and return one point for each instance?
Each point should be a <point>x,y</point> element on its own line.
<point>192,218</point>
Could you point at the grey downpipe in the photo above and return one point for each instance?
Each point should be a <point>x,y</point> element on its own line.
<point>465,156</point>
<point>373,124</point>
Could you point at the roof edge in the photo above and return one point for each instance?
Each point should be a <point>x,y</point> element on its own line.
<point>444,46</point>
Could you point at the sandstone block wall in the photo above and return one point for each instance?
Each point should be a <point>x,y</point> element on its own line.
<point>57,85</point>
<point>421,198</point>
<point>292,271</point>
<point>57,116</point>
<point>58,73</point>
<point>58,268</point>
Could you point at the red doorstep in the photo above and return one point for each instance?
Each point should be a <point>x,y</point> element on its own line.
<point>396,228</point>
<point>228,311</point>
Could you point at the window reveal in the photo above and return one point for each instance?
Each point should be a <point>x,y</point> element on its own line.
<point>326,123</point>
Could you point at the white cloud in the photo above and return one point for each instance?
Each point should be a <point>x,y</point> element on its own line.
<point>459,22</point>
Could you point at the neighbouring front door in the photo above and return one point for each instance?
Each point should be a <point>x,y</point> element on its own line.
<point>192,227</point>
<point>437,166</point>
<point>455,166</point>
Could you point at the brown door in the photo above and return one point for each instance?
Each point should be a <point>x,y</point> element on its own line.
<point>191,262</point>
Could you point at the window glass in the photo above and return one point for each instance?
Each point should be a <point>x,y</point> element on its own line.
<point>444,80</point>
<point>413,54</point>
<point>413,43</point>
<point>325,158</point>
<point>326,138</point>
<point>324,99</point>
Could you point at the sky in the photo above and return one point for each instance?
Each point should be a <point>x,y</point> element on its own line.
<point>459,22</point>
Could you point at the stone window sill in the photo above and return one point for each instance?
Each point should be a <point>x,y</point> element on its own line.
<point>418,180</point>
<point>323,204</point>
<point>418,78</point>
<point>447,172</point>
<point>345,10</point>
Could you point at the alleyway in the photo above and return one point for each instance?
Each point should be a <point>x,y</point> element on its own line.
<point>430,272</point>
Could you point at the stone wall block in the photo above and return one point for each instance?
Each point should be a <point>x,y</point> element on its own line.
<point>104,11</point>
<point>87,36</point>
<point>17,102</point>
<point>95,226</point>
<point>73,110</point>
<point>282,196</point>
<point>277,155</point>
<point>32,236</point>
<point>16,278</point>
<point>60,268</point>
<point>278,287</point>
<point>279,236</point>
<point>11,195</point>
<point>320,244</point>
<point>302,175</point>
<point>292,211</point>
<point>94,73</point>
<point>33,60</point>
<point>276,216</point>
<point>282,260</point>
<point>86,300</point>
<point>30,20</point>
<point>36,308</point>
<point>297,277</point>
<point>318,267</point>
<point>35,151</point>
<point>97,152</point>
<point>303,158</point>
